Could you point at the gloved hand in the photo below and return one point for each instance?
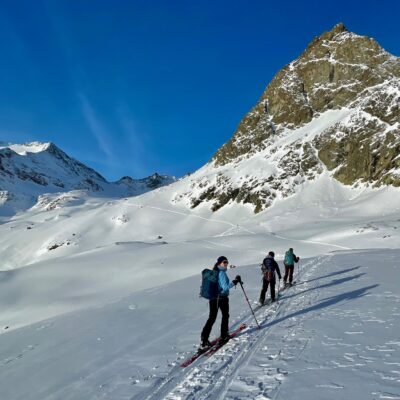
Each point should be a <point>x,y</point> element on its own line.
<point>237,280</point>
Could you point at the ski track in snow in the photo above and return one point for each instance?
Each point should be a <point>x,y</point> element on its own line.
<point>213,377</point>
<point>311,242</point>
<point>232,226</point>
<point>258,363</point>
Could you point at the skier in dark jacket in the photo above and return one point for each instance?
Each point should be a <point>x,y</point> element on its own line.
<point>290,259</point>
<point>221,302</point>
<point>268,268</point>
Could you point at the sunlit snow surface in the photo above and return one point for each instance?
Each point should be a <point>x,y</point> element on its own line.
<point>99,299</point>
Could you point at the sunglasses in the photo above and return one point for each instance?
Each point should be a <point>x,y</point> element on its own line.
<point>225,262</point>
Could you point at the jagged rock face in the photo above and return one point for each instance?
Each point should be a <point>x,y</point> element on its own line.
<point>334,70</point>
<point>338,71</point>
<point>155,181</point>
<point>362,151</point>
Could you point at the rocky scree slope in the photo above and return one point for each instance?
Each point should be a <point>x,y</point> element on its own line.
<point>336,108</point>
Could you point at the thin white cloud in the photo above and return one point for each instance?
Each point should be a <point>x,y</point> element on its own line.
<point>135,139</point>
<point>96,127</point>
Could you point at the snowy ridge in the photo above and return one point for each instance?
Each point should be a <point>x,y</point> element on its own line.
<point>41,171</point>
<point>23,149</point>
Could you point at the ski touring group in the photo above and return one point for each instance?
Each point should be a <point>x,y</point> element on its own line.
<point>215,288</point>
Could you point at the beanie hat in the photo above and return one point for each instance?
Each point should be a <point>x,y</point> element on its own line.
<point>221,259</point>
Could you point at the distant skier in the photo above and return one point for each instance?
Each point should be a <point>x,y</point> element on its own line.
<point>221,302</point>
<point>268,268</point>
<point>290,259</point>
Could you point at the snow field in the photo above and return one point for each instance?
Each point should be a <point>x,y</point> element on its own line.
<point>334,335</point>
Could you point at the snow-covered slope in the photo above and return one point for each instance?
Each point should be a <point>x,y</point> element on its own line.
<point>334,336</point>
<point>100,250</point>
<point>42,172</point>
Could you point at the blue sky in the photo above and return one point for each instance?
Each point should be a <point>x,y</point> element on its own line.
<point>133,87</point>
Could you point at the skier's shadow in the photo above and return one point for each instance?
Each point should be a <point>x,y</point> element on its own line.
<point>347,296</point>
<point>343,271</point>
<point>326,285</point>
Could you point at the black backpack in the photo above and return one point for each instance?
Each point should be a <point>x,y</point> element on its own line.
<point>267,269</point>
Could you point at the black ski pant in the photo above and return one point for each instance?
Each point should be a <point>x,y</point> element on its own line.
<point>288,272</point>
<point>221,303</point>
<point>265,288</point>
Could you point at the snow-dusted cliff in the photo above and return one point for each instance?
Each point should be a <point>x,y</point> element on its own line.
<point>335,108</point>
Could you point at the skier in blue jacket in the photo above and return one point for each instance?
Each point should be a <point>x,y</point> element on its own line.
<point>290,259</point>
<point>221,302</point>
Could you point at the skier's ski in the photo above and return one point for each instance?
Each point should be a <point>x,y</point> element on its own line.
<point>214,343</point>
<point>198,354</point>
<point>215,348</point>
<point>288,285</point>
<point>269,301</point>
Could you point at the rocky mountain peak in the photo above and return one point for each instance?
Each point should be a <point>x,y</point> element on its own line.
<point>335,108</point>
<point>335,31</point>
<point>339,31</point>
<point>338,28</point>
<point>331,73</point>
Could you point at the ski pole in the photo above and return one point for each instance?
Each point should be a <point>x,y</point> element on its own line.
<point>298,271</point>
<point>248,302</point>
<point>279,286</point>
